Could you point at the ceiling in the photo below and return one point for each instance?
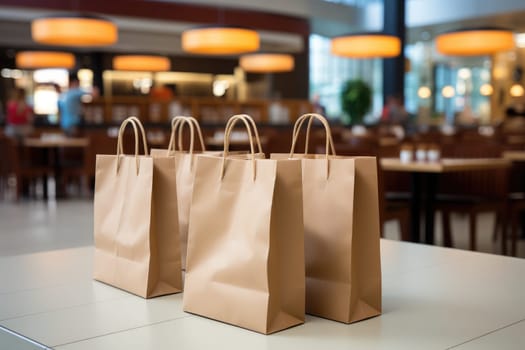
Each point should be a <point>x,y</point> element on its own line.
<point>164,37</point>
<point>135,35</point>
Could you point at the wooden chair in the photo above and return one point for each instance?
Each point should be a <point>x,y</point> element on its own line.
<point>73,168</point>
<point>472,192</point>
<point>515,202</point>
<point>26,165</point>
<point>101,141</point>
<point>516,208</point>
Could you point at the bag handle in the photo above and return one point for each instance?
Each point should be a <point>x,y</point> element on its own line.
<point>297,127</point>
<point>329,141</point>
<point>310,117</point>
<point>176,125</point>
<point>229,127</point>
<point>254,128</point>
<point>199,134</point>
<point>134,121</point>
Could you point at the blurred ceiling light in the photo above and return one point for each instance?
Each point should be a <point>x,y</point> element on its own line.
<point>78,30</point>
<point>85,74</point>
<point>520,40</point>
<point>448,91</point>
<point>58,76</point>
<point>44,59</point>
<point>366,45</point>
<point>475,41</point>
<point>486,89</point>
<point>516,90</point>
<point>464,73</point>
<point>500,72</point>
<point>220,40</point>
<point>141,63</point>
<point>11,73</point>
<point>220,87</point>
<point>267,63</point>
<point>424,92</point>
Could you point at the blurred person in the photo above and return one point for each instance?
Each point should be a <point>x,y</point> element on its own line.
<point>466,117</point>
<point>318,107</point>
<point>19,115</point>
<point>394,111</point>
<point>162,92</point>
<point>70,106</point>
<point>396,116</point>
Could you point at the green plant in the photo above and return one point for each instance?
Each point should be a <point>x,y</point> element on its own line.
<point>356,100</point>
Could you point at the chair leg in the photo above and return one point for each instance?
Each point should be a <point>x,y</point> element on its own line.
<point>19,187</point>
<point>472,224</point>
<point>404,228</point>
<point>497,226</point>
<point>447,230</point>
<point>515,221</point>
<point>504,218</point>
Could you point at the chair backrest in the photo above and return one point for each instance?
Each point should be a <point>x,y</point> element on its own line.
<point>101,142</point>
<point>488,183</point>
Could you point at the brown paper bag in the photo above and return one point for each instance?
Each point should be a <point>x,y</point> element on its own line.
<point>245,250</point>
<point>185,169</point>
<point>184,172</point>
<point>135,221</point>
<point>341,219</point>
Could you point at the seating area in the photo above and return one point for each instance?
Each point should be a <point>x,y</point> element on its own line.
<point>459,195</point>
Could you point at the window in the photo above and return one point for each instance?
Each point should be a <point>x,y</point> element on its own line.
<point>328,73</point>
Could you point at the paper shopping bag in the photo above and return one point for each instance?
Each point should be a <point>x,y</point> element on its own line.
<point>184,172</point>
<point>135,221</point>
<point>245,261</point>
<point>184,167</point>
<point>341,219</point>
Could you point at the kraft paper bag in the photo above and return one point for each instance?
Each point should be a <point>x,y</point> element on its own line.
<point>135,221</point>
<point>341,219</point>
<point>184,173</point>
<point>185,170</point>
<point>245,261</point>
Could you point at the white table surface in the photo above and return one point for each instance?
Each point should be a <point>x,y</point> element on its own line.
<point>433,298</point>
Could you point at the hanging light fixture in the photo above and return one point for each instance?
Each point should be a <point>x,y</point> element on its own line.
<point>366,45</point>
<point>143,63</point>
<point>475,42</point>
<point>424,92</point>
<point>267,63</point>
<point>80,30</point>
<point>220,40</point>
<point>516,90</point>
<point>486,89</point>
<point>448,91</point>
<point>44,59</point>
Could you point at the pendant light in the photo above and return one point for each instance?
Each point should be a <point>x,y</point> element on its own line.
<point>475,42</point>
<point>366,45</point>
<point>220,40</point>
<point>267,63</point>
<point>44,59</point>
<point>79,30</point>
<point>141,63</point>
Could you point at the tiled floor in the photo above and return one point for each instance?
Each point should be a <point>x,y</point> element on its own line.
<point>33,226</point>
